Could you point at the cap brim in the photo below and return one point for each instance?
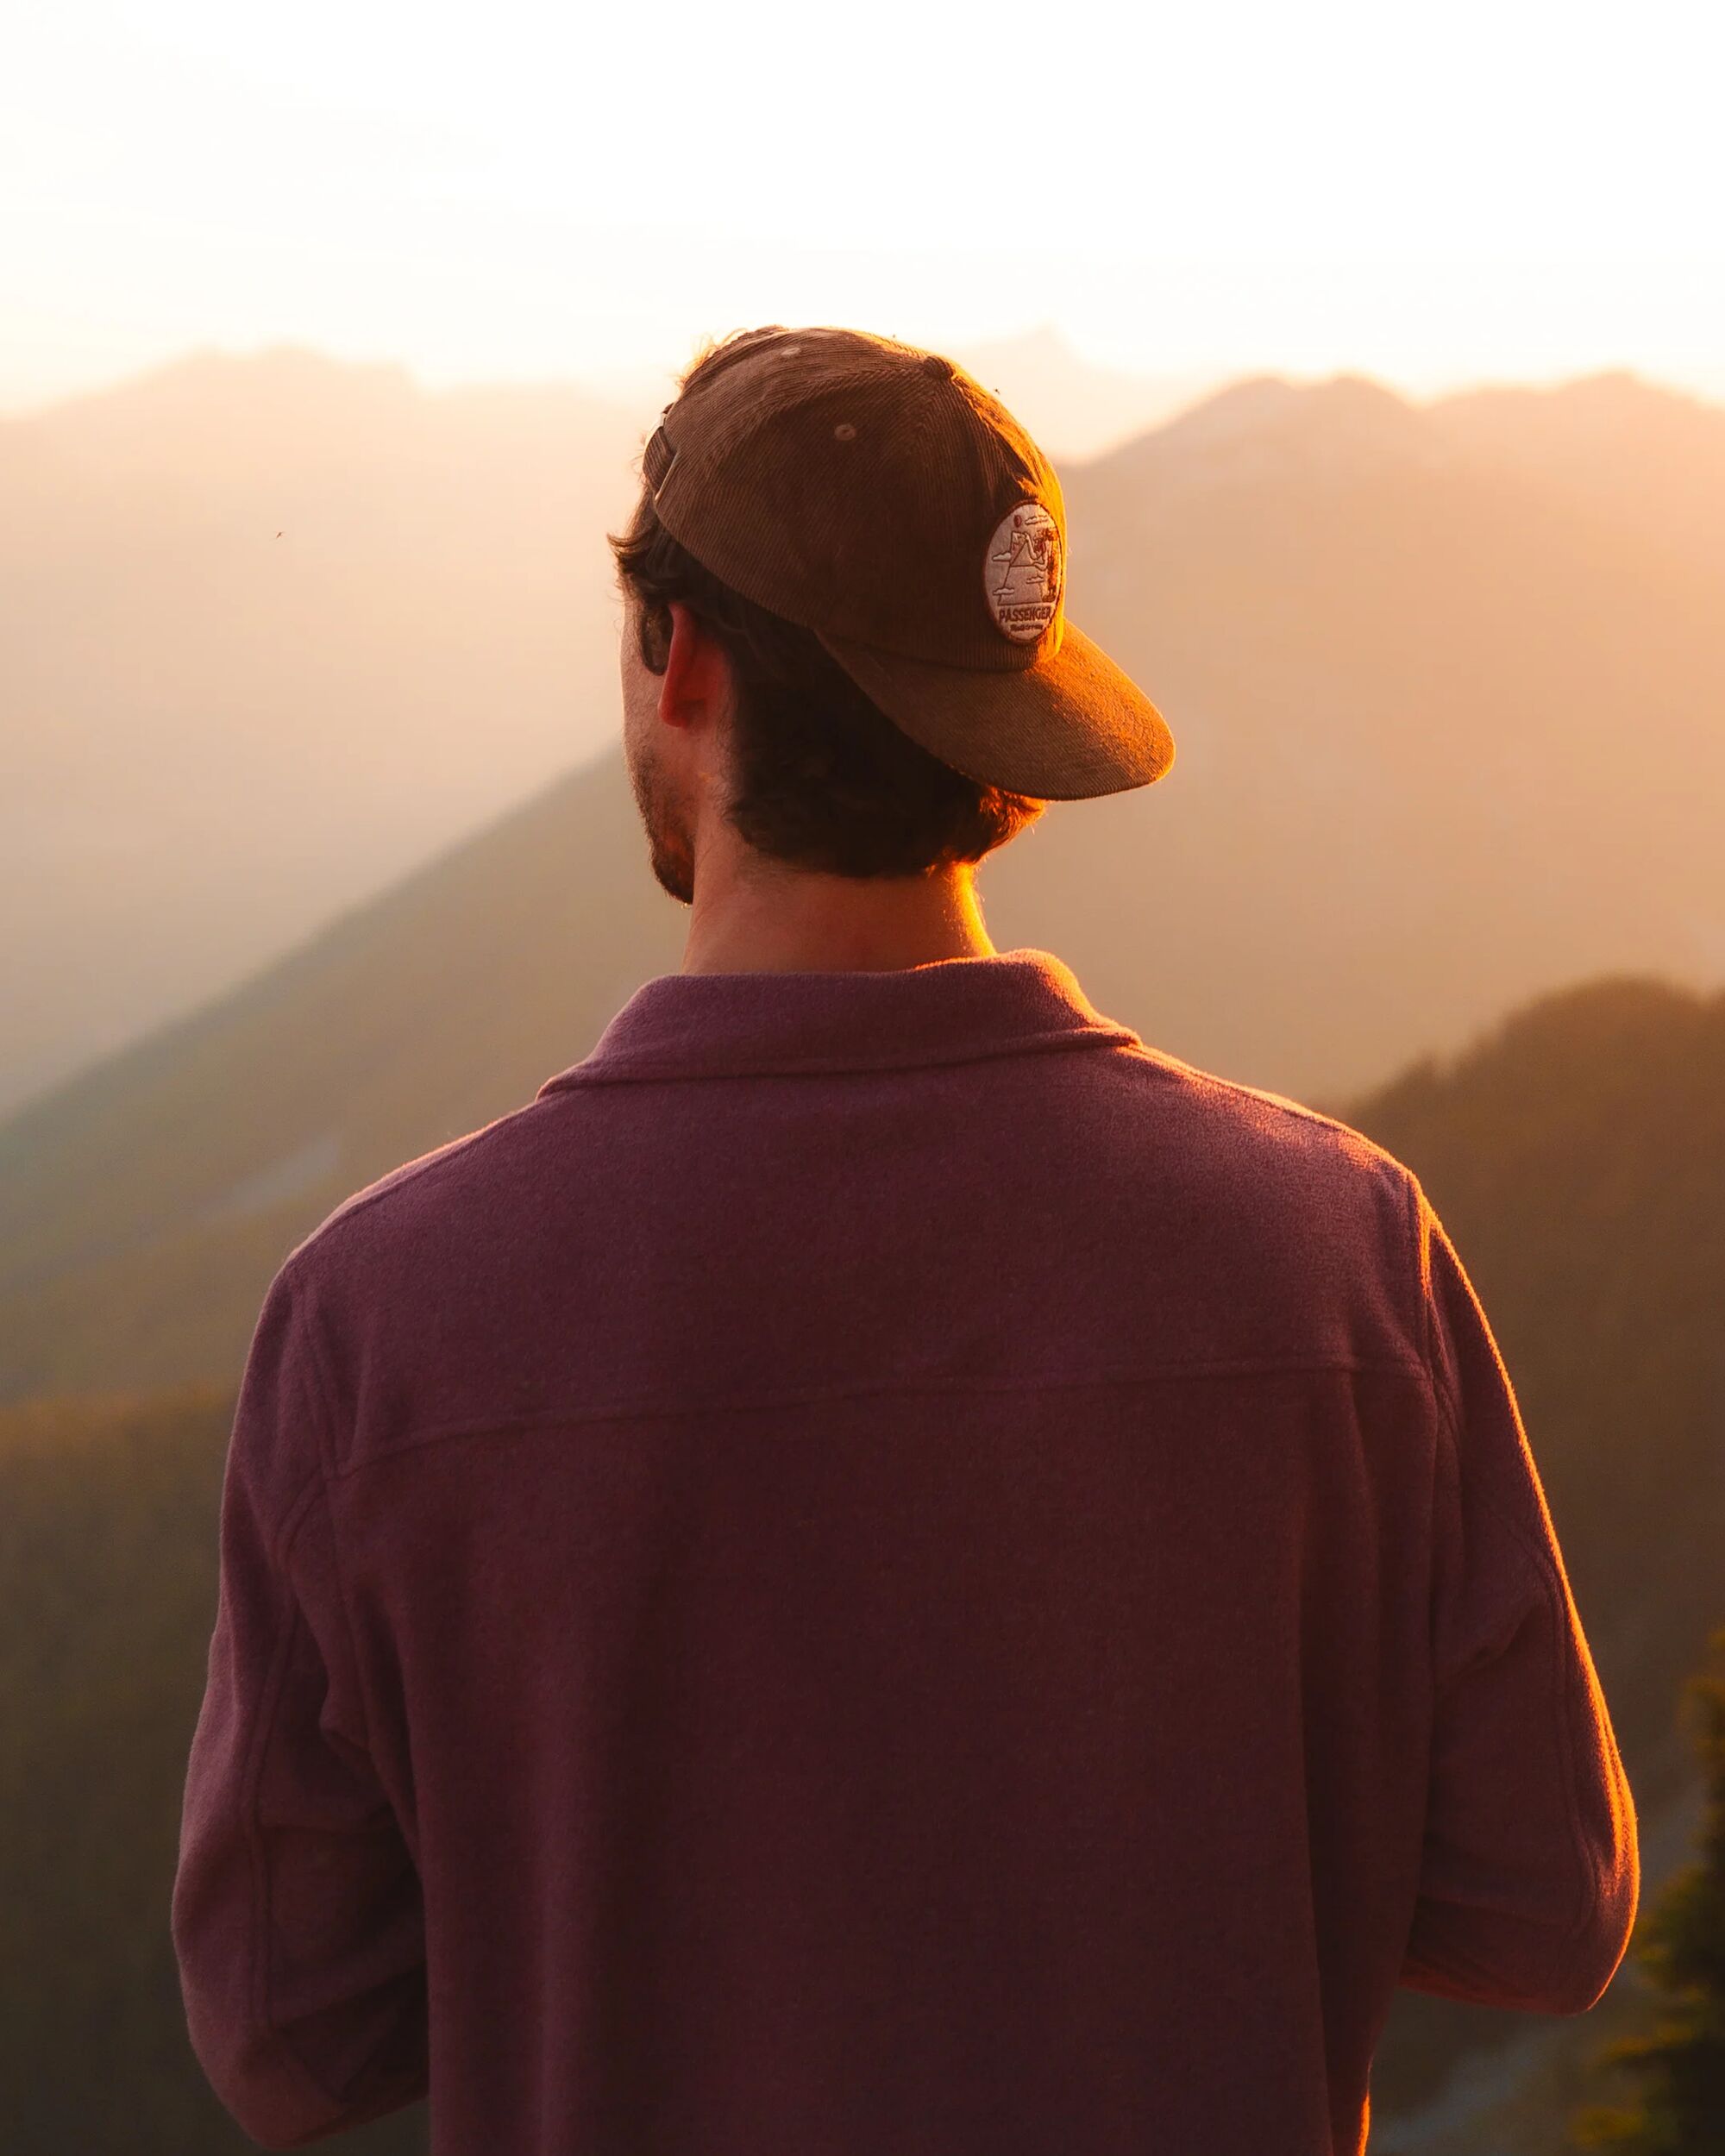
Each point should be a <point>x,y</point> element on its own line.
<point>1069,727</point>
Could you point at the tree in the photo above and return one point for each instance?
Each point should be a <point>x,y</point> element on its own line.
<point>1680,1945</point>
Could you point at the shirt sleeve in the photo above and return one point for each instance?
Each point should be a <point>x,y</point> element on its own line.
<point>1530,1871</point>
<point>297,1916</point>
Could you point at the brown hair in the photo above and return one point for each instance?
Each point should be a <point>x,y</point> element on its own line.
<point>823,778</point>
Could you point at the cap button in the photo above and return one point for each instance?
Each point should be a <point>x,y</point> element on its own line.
<point>933,364</point>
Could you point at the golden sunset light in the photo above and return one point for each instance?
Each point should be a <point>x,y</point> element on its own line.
<point>862,1079</point>
<point>1433,196</point>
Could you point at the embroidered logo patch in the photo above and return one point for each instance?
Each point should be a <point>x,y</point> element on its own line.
<point>1022,572</point>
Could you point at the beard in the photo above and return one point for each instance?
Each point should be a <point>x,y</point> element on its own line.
<point>670,848</point>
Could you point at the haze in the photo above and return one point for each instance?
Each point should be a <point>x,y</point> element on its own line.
<point>277,631</point>
<point>1382,355</point>
<point>1489,194</point>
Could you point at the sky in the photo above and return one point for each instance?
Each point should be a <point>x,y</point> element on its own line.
<point>1515,191</point>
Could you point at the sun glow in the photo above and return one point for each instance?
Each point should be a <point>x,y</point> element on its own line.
<point>1434,197</point>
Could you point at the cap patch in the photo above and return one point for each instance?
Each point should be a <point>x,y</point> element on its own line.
<point>1022,571</point>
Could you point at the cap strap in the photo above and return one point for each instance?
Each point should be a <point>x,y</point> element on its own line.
<point>657,457</point>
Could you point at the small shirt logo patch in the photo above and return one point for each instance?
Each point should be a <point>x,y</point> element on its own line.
<point>1022,572</point>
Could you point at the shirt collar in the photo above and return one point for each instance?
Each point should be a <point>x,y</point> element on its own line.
<point>949,1010</point>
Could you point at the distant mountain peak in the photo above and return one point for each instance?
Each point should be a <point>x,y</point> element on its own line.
<point>267,383</point>
<point>1614,391</point>
<point>1261,399</point>
<point>1266,421</point>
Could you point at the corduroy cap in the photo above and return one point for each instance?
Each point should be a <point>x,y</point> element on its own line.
<point>875,494</point>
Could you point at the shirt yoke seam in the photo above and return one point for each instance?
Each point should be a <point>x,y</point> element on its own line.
<point>823,1395</point>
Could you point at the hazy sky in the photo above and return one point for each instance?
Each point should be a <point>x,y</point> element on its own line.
<point>1492,189</point>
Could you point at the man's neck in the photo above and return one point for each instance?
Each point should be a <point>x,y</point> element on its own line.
<point>769,919</point>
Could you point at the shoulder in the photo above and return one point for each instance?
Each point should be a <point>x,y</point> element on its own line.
<point>1263,1130</point>
<point>436,1196</point>
<point>1295,1182</point>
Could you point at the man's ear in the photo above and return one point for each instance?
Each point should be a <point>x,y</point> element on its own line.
<point>697,679</point>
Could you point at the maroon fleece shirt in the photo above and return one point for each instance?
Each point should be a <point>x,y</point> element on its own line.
<point>883,1569</point>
